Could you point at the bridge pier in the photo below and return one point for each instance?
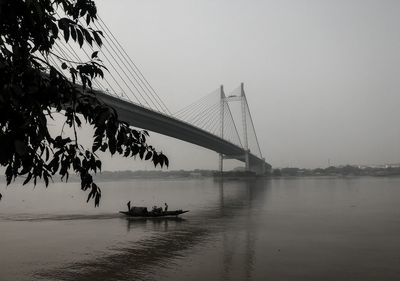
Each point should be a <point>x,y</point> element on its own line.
<point>247,160</point>
<point>261,167</point>
<point>258,166</point>
<point>221,163</point>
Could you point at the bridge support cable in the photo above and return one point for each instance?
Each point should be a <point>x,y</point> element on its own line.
<point>133,69</point>
<point>230,130</point>
<point>203,114</point>
<point>253,140</point>
<point>213,114</point>
<point>208,119</point>
<point>82,50</point>
<point>64,55</point>
<point>234,136</point>
<point>191,111</point>
<point>248,117</point>
<point>244,123</point>
<point>121,69</point>
<point>56,65</point>
<point>196,115</point>
<point>196,106</point>
<point>118,73</point>
<point>98,82</point>
<point>123,94</point>
<point>224,125</point>
<point>115,93</point>
<point>69,53</point>
<point>121,54</point>
<point>207,113</point>
<point>203,120</point>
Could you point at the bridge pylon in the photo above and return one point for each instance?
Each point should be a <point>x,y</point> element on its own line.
<point>222,113</point>
<point>244,107</point>
<point>253,162</point>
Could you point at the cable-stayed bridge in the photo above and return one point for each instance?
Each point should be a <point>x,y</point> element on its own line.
<point>209,122</point>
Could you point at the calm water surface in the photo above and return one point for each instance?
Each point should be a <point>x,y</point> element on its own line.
<point>288,229</point>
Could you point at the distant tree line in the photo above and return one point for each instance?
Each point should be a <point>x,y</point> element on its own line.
<point>106,176</point>
<point>117,175</point>
<point>347,170</point>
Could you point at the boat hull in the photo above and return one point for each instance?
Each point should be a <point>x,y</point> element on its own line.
<point>154,215</point>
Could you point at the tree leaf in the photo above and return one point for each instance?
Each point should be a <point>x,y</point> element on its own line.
<point>142,149</point>
<point>73,32</point>
<point>88,37</point>
<point>97,38</point>
<point>98,164</point>
<point>46,179</point>
<point>112,146</point>
<point>148,155</point>
<point>78,121</point>
<point>97,142</point>
<point>28,178</point>
<point>80,37</point>
<point>104,147</point>
<point>66,34</point>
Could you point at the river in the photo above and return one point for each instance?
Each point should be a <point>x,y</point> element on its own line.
<point>265,229</point>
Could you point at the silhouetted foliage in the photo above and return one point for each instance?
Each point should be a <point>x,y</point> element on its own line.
<point>32,90</point>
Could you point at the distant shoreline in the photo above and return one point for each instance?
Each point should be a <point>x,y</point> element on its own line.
<point>278,173</point>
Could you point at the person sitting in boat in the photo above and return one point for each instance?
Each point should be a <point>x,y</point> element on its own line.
<point>166,207</point>
<point>156,210</point>
<point>139,211</point>
<point>129,206</point>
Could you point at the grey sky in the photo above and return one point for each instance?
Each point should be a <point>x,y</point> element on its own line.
<point>321,77</point>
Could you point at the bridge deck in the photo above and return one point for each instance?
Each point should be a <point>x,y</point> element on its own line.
<point>148,119</point>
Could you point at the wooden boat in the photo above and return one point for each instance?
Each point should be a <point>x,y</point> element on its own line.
<point>153,214</point>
